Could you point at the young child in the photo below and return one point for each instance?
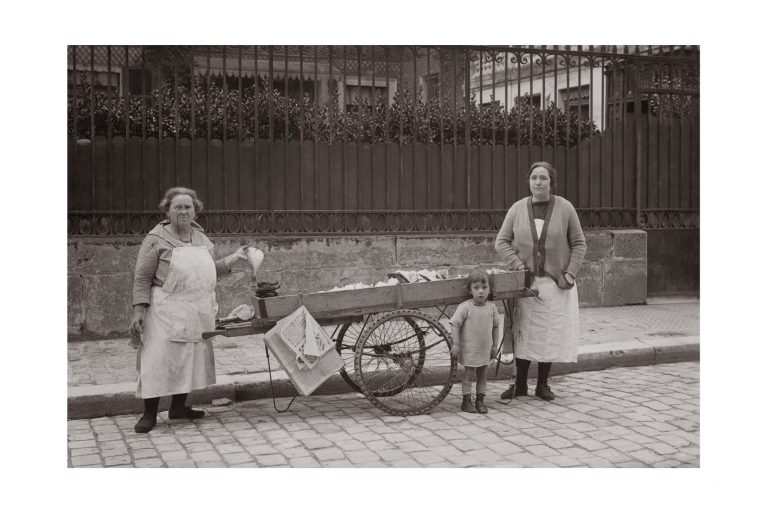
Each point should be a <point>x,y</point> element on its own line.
<point>475,333</point>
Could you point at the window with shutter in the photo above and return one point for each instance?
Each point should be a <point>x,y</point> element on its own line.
<point>137,77</point>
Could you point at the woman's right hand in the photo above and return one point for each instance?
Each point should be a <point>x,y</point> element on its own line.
<point>137,320</point>
<point>455,350</point>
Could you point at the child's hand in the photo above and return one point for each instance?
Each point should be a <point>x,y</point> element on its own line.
<point>493,354</point>
<point>455,350</point>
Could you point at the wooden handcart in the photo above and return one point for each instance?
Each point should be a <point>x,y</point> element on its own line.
<point>393,339</point>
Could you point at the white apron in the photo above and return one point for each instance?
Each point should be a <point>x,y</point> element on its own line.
<point>547,331</point>
<point>173,357</point>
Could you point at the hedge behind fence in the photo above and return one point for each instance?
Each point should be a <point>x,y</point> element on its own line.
<point>259,111</point>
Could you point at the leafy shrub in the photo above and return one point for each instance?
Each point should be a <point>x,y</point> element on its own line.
<point>169,113</point>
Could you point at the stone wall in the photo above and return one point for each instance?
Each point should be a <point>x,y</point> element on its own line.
<point>100,270</point>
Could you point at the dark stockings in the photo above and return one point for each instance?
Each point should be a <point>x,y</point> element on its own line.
<point>179,401</point>
<point>541,380</point>
<point>150,406</point>
<point>180,410</point>
<point>522,365</point>
<point>521,381</point>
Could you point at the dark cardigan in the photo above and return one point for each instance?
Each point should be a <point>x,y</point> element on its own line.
<point>564,245</point>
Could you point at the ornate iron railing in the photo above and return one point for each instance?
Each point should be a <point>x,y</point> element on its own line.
<point>332,223</point>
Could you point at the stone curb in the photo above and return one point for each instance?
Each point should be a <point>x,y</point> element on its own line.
<point>115,399</point>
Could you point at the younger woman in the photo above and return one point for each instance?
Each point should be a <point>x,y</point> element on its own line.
<point>475,333</point>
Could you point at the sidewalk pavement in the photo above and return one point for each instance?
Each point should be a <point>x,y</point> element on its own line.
<point>101,375</point>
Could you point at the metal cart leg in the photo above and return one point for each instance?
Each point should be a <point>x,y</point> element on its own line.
<point>509,324</point>
<point>272,386</point>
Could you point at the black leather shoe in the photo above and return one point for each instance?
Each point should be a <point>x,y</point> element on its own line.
<point>145,424</point>
<point>513,391</point>
<point>185,413</point>
<point>545,393</point>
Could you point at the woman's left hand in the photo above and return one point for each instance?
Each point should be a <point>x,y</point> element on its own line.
<point>566,281</point>
<point>240,253</point>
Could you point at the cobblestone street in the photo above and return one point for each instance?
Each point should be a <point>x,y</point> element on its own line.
<point>622,417</point>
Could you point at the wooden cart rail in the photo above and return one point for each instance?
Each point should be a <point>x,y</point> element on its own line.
<point>332,308</point>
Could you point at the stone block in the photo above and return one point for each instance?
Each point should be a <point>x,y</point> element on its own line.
<point>590,283</point>
<point>71,256</point>
<point>75,316</point>
<point>327,252</point>
<point>431,251</point>
<point>103,257</point>
<point>107,304</point>
<point>303,280</point>
<point>625,282</point>
<point>630,243</point>
<point>599,245</point>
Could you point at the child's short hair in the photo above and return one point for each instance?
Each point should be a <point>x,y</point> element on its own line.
<point>478,276</point>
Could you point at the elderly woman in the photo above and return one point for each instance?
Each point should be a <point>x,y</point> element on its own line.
<point>173,304</point>
<point>542,234</point>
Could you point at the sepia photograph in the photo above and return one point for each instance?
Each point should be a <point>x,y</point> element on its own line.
<point>383,256</point>
<point>315,256</point>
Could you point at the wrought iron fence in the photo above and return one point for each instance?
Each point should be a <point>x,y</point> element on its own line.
<point>309,132</point>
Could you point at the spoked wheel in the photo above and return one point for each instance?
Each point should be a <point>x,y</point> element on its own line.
<point>346,341</point>
<point>403,362</point>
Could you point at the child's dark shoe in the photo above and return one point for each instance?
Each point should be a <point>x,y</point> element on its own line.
<point>480,405</point>
<point>466,404</point>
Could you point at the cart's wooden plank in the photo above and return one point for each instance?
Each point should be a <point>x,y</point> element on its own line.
<point>322,304</point>
<point>454,291</point>
<point>373,300</point>
<point>508,282</point>
<point>440,293</point>
<point>330,308</point>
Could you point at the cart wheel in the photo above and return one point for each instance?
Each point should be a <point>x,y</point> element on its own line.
<point>403,362</point>
<point>346,342</point>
